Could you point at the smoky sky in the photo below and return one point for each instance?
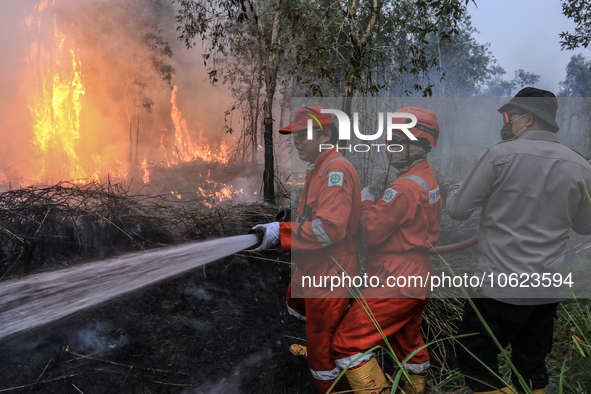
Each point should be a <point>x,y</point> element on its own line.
<point>524,34</point>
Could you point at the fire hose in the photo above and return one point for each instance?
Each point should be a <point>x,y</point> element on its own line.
<point>284,215</point>
<point>451,248</point>
<point>455,247</point>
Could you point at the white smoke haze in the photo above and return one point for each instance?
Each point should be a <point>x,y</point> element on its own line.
<point>94,338</point>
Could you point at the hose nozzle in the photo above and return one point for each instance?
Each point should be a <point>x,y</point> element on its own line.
<point>259,234</point>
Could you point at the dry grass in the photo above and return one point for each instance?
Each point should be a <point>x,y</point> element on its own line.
<point>65,223</point>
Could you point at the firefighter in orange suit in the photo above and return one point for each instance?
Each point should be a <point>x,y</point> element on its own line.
<point>397,228</point>
<point>325,234</point>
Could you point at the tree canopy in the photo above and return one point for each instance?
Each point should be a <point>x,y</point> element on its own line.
<point>580,12</point>
<point>340,48</point>
<point>577,82</point>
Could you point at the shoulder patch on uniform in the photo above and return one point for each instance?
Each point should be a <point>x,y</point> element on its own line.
<point>434,195</point>
<point>389,194</point>
<point>335,178</point>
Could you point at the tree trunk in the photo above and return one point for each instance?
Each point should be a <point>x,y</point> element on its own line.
<point>137,139</point>
<point>130,158</point>
<point>440,67</point>
<point>270,64</point>
<point>358,43</point>
<point>269,172</point>
<point>255,126</point>
<point>137,133</point>
<point>271,84</point>
<point>351,80</point>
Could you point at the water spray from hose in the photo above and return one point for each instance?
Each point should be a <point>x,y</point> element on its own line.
<point>43,298</point>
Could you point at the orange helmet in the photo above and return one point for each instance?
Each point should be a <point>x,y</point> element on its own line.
<point>300,120</point>
<point>427,126</point>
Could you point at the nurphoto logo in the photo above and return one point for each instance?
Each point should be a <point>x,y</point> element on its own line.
<point>345,130</point>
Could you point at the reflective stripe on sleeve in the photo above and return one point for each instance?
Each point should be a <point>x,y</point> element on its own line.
<point>417,368</point>
<point>295,313</point>
<point>326,375</point>
<point>320,233</point>
<point>434,195</point>
<point>419,181</point>
<point>343,363</point>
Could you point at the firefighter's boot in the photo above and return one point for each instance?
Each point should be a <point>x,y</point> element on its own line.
<point>419,381</point>
<point>368,378</point>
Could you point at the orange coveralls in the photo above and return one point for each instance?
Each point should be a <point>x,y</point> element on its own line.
<point>327,230</point>
<point>397,230</point>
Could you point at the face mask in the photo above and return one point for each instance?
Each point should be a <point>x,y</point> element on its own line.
<point>507,130</point>
<point>413,153</point>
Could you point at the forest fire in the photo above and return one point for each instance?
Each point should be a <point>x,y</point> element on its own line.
<point>143,140</point>
<point>81,127</point>
<point>217,195</point>
<point>55,102</point>
<point>187,150</point>
<point>145,171</point>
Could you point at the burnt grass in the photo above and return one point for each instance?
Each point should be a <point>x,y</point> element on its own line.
<point>222,328</point>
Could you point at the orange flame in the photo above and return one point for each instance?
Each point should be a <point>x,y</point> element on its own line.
<point>55,102</point>
<point>55,107</point>
<point>145,171</point>
<point>218,195</point>
<point>185,149</point>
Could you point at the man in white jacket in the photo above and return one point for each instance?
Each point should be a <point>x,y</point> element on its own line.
<point>532,192</point>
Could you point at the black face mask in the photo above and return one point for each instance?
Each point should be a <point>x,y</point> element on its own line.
<point>507,129</point>
<point>507,132</point>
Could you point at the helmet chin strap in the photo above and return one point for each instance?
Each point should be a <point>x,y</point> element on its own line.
<point>387,172</point>
<point>411,160</point>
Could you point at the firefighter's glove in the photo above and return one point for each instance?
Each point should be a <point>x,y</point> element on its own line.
<point>371,193</point>
<point>271,235</point>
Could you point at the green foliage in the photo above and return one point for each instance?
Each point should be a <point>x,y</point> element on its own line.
<point>459,67</point>
<point>577,82</point>
<point>523,78</point>
<point>208,20</point>
<point>464,67</point>
<point>329,47</point>
<point>571,353</point>
<point>228,31</point>
<point>353,45</point>
<point>500,87</point>
<point>464,64</point>
<point>580,12</point>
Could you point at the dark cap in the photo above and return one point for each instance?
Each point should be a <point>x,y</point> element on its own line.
<point>300,120</point>
<point>541,103</point>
